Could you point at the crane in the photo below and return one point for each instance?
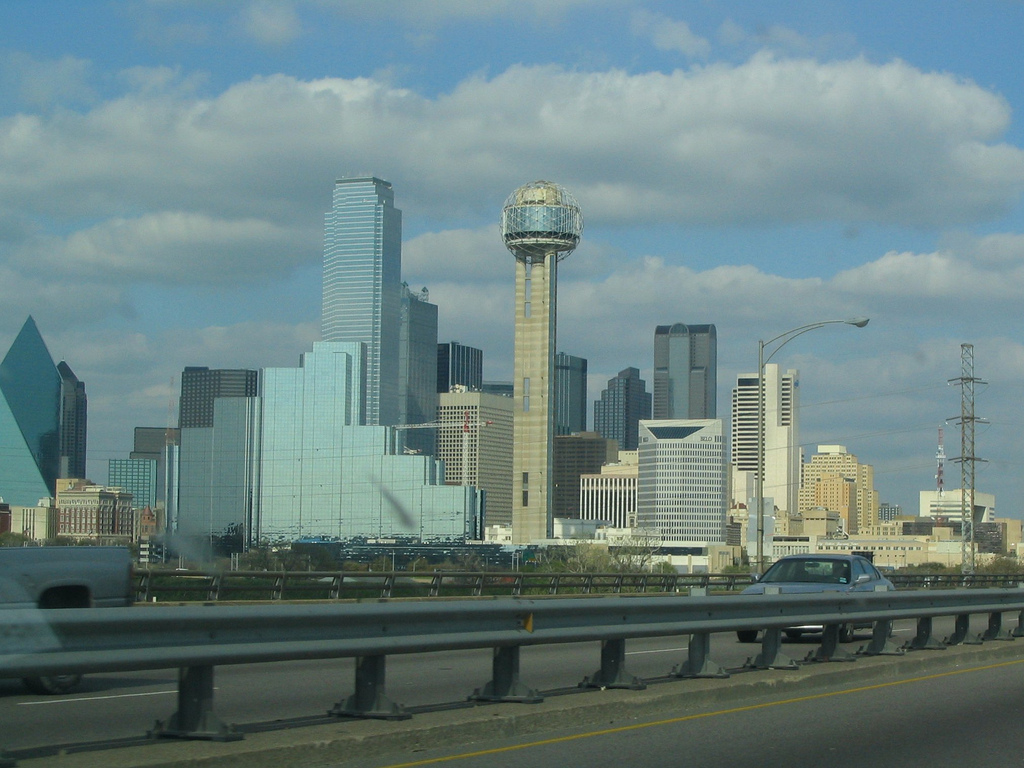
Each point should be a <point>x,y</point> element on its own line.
<point>467,425</point>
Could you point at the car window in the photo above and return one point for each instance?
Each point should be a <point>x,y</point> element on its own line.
<point>809,571</point>
<point>860,568</point>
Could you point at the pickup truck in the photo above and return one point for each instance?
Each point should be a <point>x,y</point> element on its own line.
<point>63,577</point>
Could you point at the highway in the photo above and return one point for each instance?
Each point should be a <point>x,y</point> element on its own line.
<point>115,708</point>
<point>963,717</point>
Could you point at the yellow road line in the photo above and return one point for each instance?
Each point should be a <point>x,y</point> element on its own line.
<point>685,718</point>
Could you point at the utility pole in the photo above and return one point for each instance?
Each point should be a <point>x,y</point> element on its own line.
<point>967,459</point>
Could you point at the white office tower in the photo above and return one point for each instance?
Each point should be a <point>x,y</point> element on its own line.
<point>540,224</point>
<point>782,455</point>
<point>362,284</point>
<point>681,480</point>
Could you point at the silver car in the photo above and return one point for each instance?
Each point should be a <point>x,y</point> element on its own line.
<point>796,574</point>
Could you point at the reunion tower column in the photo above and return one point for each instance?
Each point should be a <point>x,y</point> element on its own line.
<point>541,224</point>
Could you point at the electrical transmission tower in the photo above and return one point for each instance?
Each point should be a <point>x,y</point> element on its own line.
<point>967,459</point>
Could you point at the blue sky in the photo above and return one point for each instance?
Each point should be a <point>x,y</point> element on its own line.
<point>165,166</point>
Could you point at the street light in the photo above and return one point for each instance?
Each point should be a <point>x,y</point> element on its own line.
<point>762,361</point>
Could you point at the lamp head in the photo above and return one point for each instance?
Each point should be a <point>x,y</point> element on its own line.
<point>860,322</point>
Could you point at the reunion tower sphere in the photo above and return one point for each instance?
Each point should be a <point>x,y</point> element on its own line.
<point>541,218</point>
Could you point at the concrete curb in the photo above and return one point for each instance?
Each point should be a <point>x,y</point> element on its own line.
<point>346,740</point>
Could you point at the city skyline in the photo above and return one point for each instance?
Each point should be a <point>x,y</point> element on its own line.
<point>165,193</point>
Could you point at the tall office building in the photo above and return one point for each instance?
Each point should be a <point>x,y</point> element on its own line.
<point>74,412</point>
<point>540,224</point>
<point>610,497</point>
<point>681,488</point>
<point>160,444</point>
<point>570,394</point>
<point>136,476</point>
<point>624,402</point>
<point>459,365</point>
<point>835,480</point>
<point>42,420</point>
<point>417,369</point>
<point>782,455</point>
<point>201,386</point>
<point>582,453</point>
<point>474,440</point>
<point>218,473</point>
<point>362,284</point>
<point>685,371</point>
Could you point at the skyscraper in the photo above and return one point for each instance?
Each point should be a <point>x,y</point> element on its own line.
<point>42,420</point>
<point>417,368</point>
<point>201,386</point>
<point>782,456</point>
<point>681,483</point>
<point>362,284</point>
<point>458,364</point>
<point>623,404</point>
<point>73,422</point>
<point>685,371</point>
<point>570,394</point>
<point>540,224</point>
<point>582,453</point>
<point>474,440</point>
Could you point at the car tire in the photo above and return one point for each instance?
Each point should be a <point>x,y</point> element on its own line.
<point>747,635</point>
<point>794,634</point>
<point>846,633</point>
<point>52,684</point>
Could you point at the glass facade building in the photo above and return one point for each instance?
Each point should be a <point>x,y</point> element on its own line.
<point>218,472</point>
<point>324,475</point>
<point>460,365</point>
<point>201,386</point>
<point>685,371</point>
<point>138,477</point>
<point>30,420</point>
<point>362,285</point>
<point>73,422</point>
<point>623,403</point>
<point>417,369</point>
<point>570,394</point>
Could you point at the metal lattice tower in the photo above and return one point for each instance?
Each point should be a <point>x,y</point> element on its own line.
<point>967,459</point>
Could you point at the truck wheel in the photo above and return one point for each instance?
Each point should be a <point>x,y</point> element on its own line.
<point>52,684</point>
<point>747,635</point>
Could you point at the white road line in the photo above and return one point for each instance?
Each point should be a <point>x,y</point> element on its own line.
<point>664,650</point>
<point>93,698</point>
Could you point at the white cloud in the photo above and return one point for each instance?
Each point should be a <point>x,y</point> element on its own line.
<point>35,83</point>
<point>767,141</point>
<point>670,35</point>
<point>271,23</point>
<point>171,247</point>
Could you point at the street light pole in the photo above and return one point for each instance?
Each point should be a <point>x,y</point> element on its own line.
<point>782,339</point>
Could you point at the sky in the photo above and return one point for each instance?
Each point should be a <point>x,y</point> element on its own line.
<point>165,166</point>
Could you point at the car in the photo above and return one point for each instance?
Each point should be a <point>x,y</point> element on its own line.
<point>799,574</point>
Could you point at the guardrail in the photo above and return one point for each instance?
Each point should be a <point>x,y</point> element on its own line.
<point>196,639</point>
<point>209,586</point>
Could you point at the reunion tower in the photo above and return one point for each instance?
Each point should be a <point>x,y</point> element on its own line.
<point>541,224</point>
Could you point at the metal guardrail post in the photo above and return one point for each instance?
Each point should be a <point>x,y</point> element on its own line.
<point>369,700</point>
<point>829,649</point>
<point>213,593</point>
<point>995,629</point>
<point>924,640</point>
<point>505,684</point>
<point>195,718</point>
<point>961,630</point>
<point>770,656</point>
<point>1018,631</point>
<point>612,673</point>
<point>278,589</point>
<point>698,662</point>
<point>880,644</point>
